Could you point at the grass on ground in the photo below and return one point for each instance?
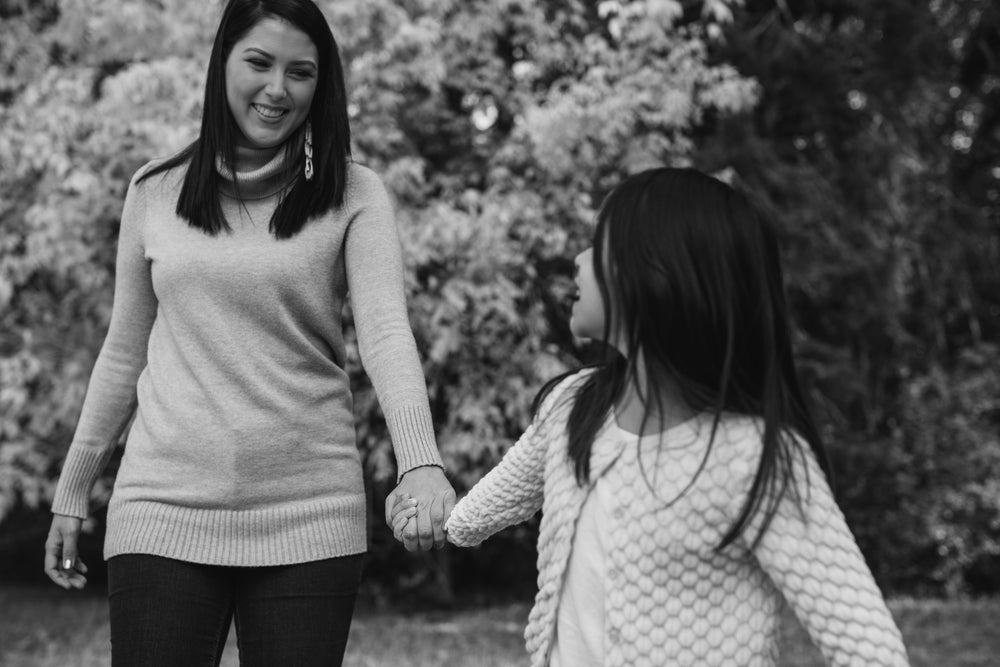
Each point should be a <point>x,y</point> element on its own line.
<point>47,627</point>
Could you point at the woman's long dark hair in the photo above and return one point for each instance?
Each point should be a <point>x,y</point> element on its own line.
<point>693,274</point>
<point>198,202</point>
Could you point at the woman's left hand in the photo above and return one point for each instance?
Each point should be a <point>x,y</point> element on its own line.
<point>435,499</point>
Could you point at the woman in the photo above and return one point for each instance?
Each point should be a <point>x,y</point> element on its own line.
<point>240,492</point>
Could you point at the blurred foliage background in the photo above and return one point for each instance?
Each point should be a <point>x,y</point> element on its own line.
<point>869,132</point>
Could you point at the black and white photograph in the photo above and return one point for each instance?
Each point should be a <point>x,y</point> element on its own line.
<point>499,333</point>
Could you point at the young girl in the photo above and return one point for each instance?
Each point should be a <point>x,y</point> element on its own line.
<point>682,483</point>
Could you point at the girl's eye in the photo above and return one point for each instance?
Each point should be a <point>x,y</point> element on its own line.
<point>302,74</point>
<point>258,63</point>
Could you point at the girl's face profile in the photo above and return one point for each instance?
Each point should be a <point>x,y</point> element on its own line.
<point>271,78</point>
<point>587,320</point>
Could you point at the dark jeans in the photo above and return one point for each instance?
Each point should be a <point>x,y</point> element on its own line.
<point>171,613</point>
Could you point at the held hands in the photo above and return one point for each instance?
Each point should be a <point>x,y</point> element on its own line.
<point>61,562</point>
<point>404,517</point>
<point>426,499</point>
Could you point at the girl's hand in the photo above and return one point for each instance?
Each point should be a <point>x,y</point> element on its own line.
<point>404,510</point>
<point>62,564</point>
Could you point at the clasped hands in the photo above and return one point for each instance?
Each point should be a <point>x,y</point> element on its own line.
<point>418,508</point>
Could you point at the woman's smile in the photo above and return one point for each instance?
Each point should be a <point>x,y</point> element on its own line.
<point>269,113</point>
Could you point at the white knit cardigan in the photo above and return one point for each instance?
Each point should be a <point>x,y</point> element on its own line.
<point>672,599</point>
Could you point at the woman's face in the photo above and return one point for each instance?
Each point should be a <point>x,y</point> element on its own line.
<point>587,320</point>
<point>270,80</point>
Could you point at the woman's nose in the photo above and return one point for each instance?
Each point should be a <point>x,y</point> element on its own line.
<point>276,87</point>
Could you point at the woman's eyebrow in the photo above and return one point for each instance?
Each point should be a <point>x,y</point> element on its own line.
<point>260,51</point>
<point>271,57</point>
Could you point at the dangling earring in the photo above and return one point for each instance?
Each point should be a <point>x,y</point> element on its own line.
<point>309,150</point>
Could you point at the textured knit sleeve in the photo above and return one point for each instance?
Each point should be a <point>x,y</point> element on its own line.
<point>111,392</point>
<point>374,262</point>
<point>812,557</point>
<point>513,491</point>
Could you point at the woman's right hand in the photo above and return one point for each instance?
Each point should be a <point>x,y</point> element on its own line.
<point>62,564</point>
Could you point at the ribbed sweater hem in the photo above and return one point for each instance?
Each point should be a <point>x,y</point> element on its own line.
<point>247,538</point>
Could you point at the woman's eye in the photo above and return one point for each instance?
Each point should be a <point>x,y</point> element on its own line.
<point>256,62</point>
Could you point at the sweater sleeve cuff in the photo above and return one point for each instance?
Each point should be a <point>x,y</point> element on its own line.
<point>79,473</point>
<point>412,434</point>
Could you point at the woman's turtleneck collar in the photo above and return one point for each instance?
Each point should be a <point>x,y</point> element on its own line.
<point>260,173</point>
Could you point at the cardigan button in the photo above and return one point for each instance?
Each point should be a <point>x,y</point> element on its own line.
<point>619,513</point>
<point>614,636</point>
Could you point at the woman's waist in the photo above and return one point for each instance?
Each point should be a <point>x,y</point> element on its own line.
<point>238,470</point>
<point>246,397</point>
<point>236,417</point>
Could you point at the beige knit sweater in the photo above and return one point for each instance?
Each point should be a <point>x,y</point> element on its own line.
<point>672,599</point>
<point>231,351</point>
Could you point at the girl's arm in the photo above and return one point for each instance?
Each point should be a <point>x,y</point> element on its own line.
<point>813,559</point>
<point>513,491</point>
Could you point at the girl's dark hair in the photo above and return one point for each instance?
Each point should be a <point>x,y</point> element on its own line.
<point>694,276</point>
<point>198,201</point>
